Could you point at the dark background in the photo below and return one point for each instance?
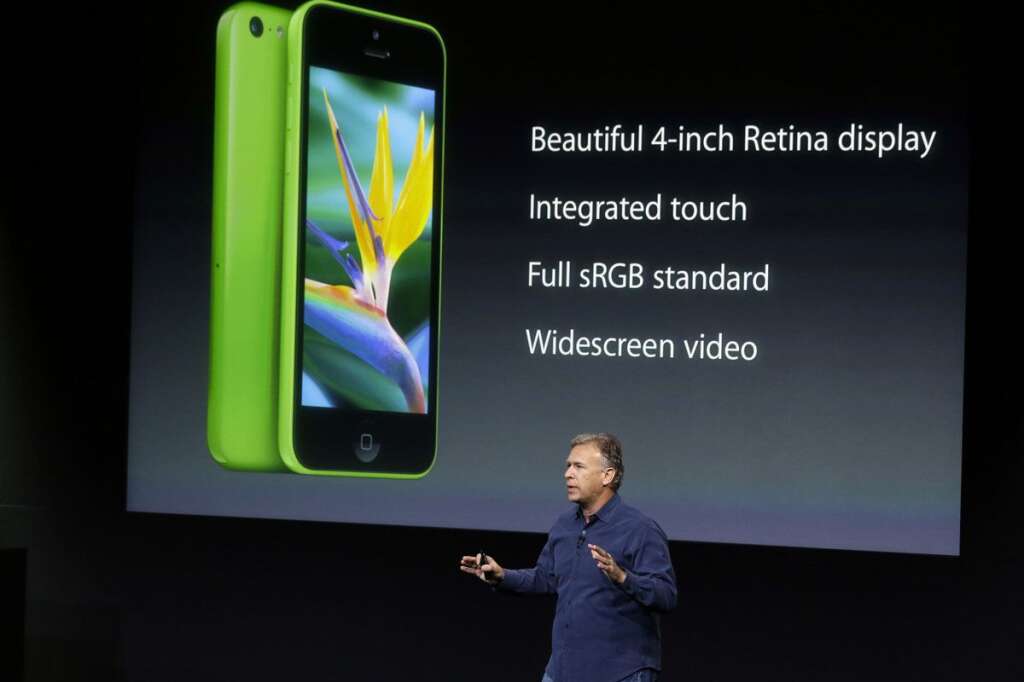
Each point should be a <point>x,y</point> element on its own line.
<point>145,597</point>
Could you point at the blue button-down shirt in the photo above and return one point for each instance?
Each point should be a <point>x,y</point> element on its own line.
<point>603,631</point>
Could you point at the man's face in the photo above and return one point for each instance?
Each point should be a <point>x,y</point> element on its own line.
<point>585,474</point>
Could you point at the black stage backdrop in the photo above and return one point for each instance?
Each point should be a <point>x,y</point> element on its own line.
<point>146,597</point>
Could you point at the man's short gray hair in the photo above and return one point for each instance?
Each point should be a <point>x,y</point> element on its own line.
<point>610,448</point>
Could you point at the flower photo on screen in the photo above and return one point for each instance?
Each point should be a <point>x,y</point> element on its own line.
<point>370,175</point>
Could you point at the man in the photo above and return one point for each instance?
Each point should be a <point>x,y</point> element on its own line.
<point>610,567</point>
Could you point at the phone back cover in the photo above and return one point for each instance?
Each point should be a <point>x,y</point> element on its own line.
<point>245,269</point>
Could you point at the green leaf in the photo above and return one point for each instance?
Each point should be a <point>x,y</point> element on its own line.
<point>348,378</point>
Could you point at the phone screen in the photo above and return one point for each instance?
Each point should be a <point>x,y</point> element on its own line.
<point>368,232</point>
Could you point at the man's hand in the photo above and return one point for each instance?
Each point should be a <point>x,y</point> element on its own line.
<point>607,564</point>
<point>483,567</point>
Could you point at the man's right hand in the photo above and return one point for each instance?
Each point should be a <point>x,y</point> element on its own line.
<point>485,568</point>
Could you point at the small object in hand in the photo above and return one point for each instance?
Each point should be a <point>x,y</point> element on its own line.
<point>483,560</point>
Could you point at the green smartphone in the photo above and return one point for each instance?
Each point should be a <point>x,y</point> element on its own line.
<point>248,171</point>
<point>361,245</point>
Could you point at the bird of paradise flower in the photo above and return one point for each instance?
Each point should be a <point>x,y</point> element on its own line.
<point>356,317</point>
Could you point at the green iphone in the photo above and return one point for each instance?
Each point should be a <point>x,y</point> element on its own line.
<point>361,246</point>
<point>248,171</point>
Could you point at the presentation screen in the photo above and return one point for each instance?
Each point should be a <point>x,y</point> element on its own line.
<point>741,249</point>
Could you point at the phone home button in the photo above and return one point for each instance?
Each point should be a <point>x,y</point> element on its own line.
<point>366,448</point>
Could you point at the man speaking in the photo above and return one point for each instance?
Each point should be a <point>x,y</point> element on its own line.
<point>610,567</point>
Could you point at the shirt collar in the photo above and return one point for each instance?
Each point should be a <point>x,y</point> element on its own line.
<point>606,512</point>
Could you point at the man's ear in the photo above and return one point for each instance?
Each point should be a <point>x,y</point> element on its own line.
<point>607,478</point>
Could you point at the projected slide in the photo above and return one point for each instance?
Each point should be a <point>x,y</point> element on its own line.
<point>759,288</point>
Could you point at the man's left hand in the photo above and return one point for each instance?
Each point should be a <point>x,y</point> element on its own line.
<point>607,564</point>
